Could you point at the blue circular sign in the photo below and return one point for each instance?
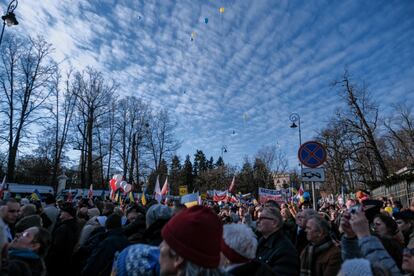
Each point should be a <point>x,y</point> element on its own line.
<point>312,154</point>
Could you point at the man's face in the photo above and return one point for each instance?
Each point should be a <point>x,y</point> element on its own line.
<point>167,261</point>
<point>403,225</point>
<point>26,240</point>
<point>313,233</point>
<point>13,209</point>
<point>300,220</point>
<point>132,216</point>
<point>266,223</point>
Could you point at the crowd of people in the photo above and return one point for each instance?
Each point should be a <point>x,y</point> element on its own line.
<point>89,236</point>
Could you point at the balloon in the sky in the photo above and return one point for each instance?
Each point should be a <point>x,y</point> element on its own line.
<point>193,35</point>
<point>206,20</point>
<point>221,10</point>
<point>245,116</point>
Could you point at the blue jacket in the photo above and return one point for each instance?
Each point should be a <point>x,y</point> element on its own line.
<point>370,248</point>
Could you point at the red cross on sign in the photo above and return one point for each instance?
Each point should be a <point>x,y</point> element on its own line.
<point>312,154</point>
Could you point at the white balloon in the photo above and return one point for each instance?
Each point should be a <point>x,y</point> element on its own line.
<point>122,184</point>
<point>127,188</point>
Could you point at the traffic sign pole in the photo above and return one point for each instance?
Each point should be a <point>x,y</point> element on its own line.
<point>313,195</point>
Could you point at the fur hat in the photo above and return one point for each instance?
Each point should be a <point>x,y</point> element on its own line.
<point>195,234</point>
<point>239,243</point>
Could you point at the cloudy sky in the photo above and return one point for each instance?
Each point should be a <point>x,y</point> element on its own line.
<point>233,78</point>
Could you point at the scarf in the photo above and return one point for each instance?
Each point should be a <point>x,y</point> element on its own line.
<point>310,252</point>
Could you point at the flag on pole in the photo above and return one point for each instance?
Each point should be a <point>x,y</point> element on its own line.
<point>143,199</point>
<point>232,187</point>
<point>157,190</point>
<point>35,196</point>
<point>165,189</point>
<point>3,187</point>
<point>131,197</point>
<point>90,192</point>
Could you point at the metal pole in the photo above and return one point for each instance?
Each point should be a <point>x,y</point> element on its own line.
<point>313,195</point>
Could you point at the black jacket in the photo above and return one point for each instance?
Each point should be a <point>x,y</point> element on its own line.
<point>300,241</point>
<point>100,262</point>
<point>279,253</point>
<point>64,238</point>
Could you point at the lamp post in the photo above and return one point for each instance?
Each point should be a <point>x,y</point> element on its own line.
<point>9,18</point>
<point>295,118</point>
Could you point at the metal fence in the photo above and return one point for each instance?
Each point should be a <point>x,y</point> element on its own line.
<point>402,191</point>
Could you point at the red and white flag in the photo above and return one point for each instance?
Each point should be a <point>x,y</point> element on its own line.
<point>165,188</point>
<point>232,187</point>
<point>90,192</point>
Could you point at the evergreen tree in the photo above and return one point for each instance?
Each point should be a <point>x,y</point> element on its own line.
<point>219,162</point>
<point>210,163</point>
<point>187,174</point>
<point>245,180</point>
<point>175,175</point>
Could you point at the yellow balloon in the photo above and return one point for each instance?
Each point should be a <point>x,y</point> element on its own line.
<point>388,210</point>
<point>221,9</point>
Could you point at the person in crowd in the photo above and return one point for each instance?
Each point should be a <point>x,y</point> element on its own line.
<point>82,217</point>
<point>10,215</point>
<point>135,227</point>
<point>405,222</point>
<point>275,249</point>
<point>299,239</point>
<point>27,222</point>
<point>51,211</point>
<point>321,256</point>
<point>357,242</point>
<point>31,247</point>
<point>64,238</point>
<point>137,259</point>
<point>157,216</point>
<point>100,261</point>
<point>238,249</point>
<point>27,210</point>
<point>408,260</point>
<point>288,222</point>
<point>191,243</point>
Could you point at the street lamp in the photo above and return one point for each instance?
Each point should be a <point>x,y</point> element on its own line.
<point>9,18</point>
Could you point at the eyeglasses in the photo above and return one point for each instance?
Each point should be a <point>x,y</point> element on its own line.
<point>262,218</point>
<point>408,251</point>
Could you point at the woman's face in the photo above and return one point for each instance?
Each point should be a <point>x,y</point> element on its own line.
<point>408,260</point>
<point>380,228</point>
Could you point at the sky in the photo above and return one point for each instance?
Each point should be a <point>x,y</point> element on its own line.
<point>233,78</point>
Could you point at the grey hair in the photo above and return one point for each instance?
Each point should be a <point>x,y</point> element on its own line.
<point>275,213</point>
<point>323,225</point>
<point>241,239</point>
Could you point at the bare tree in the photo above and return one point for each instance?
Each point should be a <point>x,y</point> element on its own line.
<point>362,119</point>
<point>160,137</point>
<point>94,97</point>
<point>25,76</point>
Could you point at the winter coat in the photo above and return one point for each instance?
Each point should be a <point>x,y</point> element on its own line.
<point>299,239</point>
<point>370,248</point>
<point>31,258</point>
<point>64,238</point>
<point>100,262</point>
<point>278,252</point>
<point>326,262</point>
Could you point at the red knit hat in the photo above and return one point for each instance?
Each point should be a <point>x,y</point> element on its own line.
<point>195,234</point>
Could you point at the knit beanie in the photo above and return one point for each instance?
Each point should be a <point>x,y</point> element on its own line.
<point>195,234</point>
<point>27,222</point>
<point>137,259</point>
<point>156,212</point>
<point>356,267</point>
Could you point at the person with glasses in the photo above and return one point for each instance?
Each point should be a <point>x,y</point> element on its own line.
<point>30,247</point>
<point>275,248</point>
